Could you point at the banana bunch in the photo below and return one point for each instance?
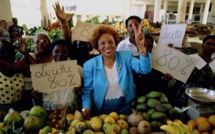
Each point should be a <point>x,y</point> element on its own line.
<point>146,25</point>
<point>177,127</point>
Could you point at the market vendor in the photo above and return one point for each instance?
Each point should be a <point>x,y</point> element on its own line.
<point>108,81</point>
<point>11,83</point>
<point>144,82</point>
<point>203,75</point>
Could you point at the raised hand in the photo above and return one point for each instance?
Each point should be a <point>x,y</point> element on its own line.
<point>22,47</point>
<point>139,38</point>
<point>61,15</point>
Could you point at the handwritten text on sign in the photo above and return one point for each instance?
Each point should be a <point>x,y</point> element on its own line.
<point>172,33</point>
<point>57,75</point>
<point>174,62</point>
<point>83,31</point>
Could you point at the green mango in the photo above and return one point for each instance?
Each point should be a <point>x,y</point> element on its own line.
<point>156,125</point>
<point>146,116</point>
<point>152,102</point>
<point>158,115</point>
<point>173,113</point>
<point>142,99</point>
<point>168,105</point>
<point>150,111</point>
<point>163,99</point>
<point>141,107</point>
<point>160,107</point>
<point>154,94</point>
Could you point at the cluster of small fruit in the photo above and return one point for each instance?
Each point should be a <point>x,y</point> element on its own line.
<point>56,118</point>
<point>120,28</point>
<point>203,124</point>
<point>147,28</point>
<point>155,108</point>
<point>112,123</point>
<point>177,127</point>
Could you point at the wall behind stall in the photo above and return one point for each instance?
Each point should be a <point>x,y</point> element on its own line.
<point>5,11</point>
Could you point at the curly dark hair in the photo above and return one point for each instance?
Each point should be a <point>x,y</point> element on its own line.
<point>103,30</point>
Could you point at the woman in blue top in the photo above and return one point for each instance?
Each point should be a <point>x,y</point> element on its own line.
<point>108,80</point>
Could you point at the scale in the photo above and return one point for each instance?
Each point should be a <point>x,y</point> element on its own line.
<point>202,99</point>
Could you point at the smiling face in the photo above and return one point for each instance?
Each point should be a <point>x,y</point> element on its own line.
<point>129,27</point>
<point>42,43</point>
<point>60,52</point>
<point>107,45</point>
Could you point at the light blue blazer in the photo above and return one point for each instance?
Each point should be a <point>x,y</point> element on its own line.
<point>95,80</point>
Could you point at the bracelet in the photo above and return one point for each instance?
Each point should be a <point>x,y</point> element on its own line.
<point>84,109</point>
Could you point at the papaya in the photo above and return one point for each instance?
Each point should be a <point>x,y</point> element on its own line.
<point>80,127</point>
<point>96,123</point>
<point>108,129</point>
<point>88,131</point>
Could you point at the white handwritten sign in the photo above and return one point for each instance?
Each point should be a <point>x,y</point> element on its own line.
<point>172,33</point>
<point>55,76</point>
<point>83,31</point>
<point>174,62</point>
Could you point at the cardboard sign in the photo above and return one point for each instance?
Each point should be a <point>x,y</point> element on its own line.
<point>174,62</point>
<point>83,31</point>
<point>55,76</point>
<point>172,33</point>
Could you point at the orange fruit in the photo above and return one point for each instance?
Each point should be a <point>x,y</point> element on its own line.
<point>192,122</point>
<point>211,120</point>
<point>204,126</point>
<point>200,119</point>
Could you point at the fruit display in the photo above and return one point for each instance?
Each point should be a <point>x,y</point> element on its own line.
<point>38,120</point>
<point>177,127</point>
<point>155,108</point>
<point>147,28</point>
<point>53,26</point>
<point>29,121</point>
<point>120,28</point>
<point>112,123</point>
<point>199,29</point>
<point>203,124</point>
<point>56,118</point>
